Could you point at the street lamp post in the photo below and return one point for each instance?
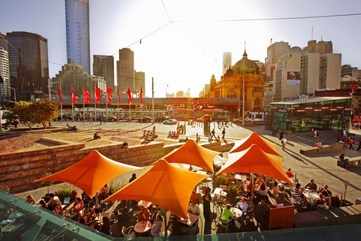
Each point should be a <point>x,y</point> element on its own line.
<point>243,99</point>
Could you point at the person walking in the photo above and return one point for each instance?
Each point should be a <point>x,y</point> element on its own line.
<point>283,142</point>
<point>224,133</point>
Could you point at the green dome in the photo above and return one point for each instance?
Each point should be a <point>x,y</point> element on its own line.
<point>245,65</point>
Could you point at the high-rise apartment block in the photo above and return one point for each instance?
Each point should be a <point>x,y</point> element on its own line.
<point>4,69</point>
<point>125,70</point>
<point>77,32</point>
<point>103,65</point>
<point>29,67</point>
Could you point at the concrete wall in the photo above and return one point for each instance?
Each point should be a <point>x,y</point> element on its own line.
<point>18,171</point>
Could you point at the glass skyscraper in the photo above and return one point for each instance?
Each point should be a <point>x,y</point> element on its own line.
<point>29,67</point>
<point>77,32</point>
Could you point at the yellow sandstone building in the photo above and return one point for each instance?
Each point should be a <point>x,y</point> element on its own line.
<point>231,83</point>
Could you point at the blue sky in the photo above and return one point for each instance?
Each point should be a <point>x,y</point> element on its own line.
<point>184,54</point>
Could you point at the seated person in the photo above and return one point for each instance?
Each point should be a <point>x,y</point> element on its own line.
<point>30,199</point>
<point>143,214</point>
<point>242,204</point>
<point>290,173</point>
<point>326,196</point>
<point>96,136</point>
<point>311,185</point>
<point>282,196</point>
<point>227,215</point>
<point>157,226</point>
<point>58,209</point>
<point>299,199</point>
<point>342,161</point>
<point>78,205</point>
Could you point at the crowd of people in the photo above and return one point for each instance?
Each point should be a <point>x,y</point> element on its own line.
<point>240,203</point>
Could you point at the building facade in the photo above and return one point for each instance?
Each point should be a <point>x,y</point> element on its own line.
<point>29,67</point>
<point>292,71</point>
<point>287,77</point>
<point>139,81</point>
<point>5,92</point>
<point>103,65</point>
<point>72,77</point>
<point>77,32</point>
<point>99,82</point>
<point>230,85</point>
<point>227,62</point>
<point>125,70</point>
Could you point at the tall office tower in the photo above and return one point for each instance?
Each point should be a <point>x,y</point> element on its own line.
<point>227,61</point>
<point>29,67</point>
<point>139,81</point>
<point>103,65</point>
<point>4,69</point>
<point>320,67</point>
<point>274,52</point>
<point>77,32</point>
<point>125,70</point>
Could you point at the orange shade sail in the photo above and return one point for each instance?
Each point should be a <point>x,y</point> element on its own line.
<point>90,173</point>
<point>256,139</point>
<point>164,184</point>
<point>255,160</point>
<point>193,154</point>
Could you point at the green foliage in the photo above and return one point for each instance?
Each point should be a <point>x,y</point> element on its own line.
<point>45,111</point>
<point>41,112</point>
<point>22,109</point>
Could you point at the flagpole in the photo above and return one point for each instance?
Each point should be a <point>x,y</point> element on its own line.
<point>83,107</point>
<point>61,110</point>
<point>95,110</point>
<point>72,110</point>
<point>153,99</point>
<point>106,109</point>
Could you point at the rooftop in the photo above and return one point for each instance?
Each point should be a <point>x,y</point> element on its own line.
<point>310,100</point>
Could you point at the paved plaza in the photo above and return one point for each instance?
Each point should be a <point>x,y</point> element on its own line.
<point>323,169</point>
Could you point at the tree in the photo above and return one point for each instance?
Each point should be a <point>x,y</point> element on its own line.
<point>45,111</point>
<point>41,112</point>
<point>22,110</point>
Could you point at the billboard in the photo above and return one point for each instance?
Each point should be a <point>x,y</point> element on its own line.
<point>293,78</point>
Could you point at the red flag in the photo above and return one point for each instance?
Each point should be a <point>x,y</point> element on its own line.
<point>109,95</point>
<point>98,94</point>
<point>60,94</point>
<point>141,94</point>
<point>86,97</point>
<point>129,93</point>
<point>74,98</point>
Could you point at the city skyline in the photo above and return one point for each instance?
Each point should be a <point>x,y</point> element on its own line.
<point>190,55</point>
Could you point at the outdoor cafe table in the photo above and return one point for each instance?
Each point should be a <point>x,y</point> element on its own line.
<point>237,213</point>
<point>142,228</point>
<point>192,219</point>
<point>311,197</point>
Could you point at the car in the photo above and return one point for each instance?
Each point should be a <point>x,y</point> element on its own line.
<point>170,122</point>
